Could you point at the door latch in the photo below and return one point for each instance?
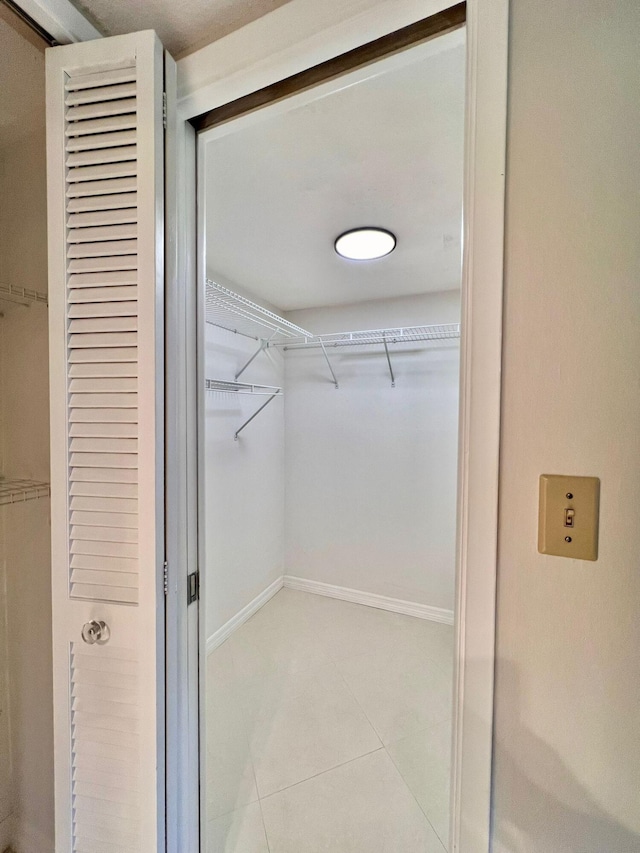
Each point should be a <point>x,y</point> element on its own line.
<point>193,588</point>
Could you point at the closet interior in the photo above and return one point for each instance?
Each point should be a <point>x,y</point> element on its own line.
<point>328,457</point>
<point>26,705</point>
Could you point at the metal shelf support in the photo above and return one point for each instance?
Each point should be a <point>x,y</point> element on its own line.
<point>255,414</point>
<point>324,351</point>
<point>263,346</point>
<point>386,349</point>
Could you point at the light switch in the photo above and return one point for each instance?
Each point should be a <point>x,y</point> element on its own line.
<point>568,516</point>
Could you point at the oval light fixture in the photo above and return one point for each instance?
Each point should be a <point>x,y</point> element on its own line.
<point>365,244</point>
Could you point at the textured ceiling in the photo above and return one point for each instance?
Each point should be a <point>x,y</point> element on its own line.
<point>282,183</point>
<point>182,25</point>
<point>22,104</point>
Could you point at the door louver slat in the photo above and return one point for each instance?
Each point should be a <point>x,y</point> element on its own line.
<point>120,73</point>
<point>113,231</point>
<point>105,125</point>
<point>105,187</point>
<point>100,109</point>
<point>94,142</point>
<point>112,308</point>
<point>108,368</point>
<point>103,169</point>
<point>90,94</point>
<point>92,156</point>
<point>95,218</point>
<point>94,204</point>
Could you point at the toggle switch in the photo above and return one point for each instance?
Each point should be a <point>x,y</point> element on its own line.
<point>568,516</point>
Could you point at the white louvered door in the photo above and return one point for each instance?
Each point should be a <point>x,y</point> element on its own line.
<point>105,185</point>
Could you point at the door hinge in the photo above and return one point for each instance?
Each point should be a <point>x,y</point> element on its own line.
<point>193,587</point>
<point>164,110</point>
<point>166,578</point>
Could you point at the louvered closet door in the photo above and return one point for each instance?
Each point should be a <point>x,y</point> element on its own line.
<point>105,174</point>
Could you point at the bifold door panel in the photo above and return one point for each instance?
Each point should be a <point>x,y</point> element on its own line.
<point>105,185</point>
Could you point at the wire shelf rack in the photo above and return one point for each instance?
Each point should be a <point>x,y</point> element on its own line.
<point>241,387</point>
<point>14,491</point>
<point>406,334</point>
<point>224,386</point>
<point>22,295</point>
<point>236,313</point>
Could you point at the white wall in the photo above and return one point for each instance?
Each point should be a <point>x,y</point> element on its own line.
<point>567,770</point>
<point>244,479</point>
<point>371,469</point>
<point>25,531</point>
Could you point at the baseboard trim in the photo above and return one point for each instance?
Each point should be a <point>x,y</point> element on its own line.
<point>371,599</point>
<point>241,617</point>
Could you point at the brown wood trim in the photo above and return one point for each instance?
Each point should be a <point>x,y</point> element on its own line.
<point>428,28</point>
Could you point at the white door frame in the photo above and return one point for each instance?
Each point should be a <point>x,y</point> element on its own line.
<point>294,37</point>
<point>304,33</point>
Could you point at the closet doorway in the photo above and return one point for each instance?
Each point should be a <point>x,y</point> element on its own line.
<point>328,456</point>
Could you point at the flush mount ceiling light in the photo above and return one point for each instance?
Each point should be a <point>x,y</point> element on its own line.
<point>365,244</point>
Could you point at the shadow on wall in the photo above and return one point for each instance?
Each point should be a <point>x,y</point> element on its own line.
<point>543,807</point>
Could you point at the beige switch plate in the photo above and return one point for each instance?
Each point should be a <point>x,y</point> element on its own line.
<point>553,533</point>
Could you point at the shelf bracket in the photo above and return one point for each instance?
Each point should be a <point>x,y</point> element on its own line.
<point>263,346</point>
<point>255,414</point>
<point>324,351</point>
<point>386,349</point>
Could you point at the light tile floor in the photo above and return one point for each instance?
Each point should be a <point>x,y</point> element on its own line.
<point>328,729</point>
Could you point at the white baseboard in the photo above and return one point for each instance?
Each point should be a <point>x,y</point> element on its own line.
<point>241,617</point>
<point>370,599</point>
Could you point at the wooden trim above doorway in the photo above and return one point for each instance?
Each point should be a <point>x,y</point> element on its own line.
<point>435,25</point>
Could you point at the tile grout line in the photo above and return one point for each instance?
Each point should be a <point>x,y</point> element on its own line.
<point>426,816</point>
<point>322,773</point>
<point>264,825</point>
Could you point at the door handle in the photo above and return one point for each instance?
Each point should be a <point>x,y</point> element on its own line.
<point>95,632</point>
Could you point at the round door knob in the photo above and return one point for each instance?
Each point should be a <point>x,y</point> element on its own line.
<point>95,632</point>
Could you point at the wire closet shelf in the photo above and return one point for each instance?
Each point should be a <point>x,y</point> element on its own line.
<point>406,334</point>
<point>22,295</point>
<point>225,386</point>
<point>14,491</point>
<point>236,313</point>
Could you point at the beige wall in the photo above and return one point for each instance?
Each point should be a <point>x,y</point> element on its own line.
<point>25,588</point>
<point>567,770</point>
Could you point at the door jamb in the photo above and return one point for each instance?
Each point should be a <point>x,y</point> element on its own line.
<point>481,344</point>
